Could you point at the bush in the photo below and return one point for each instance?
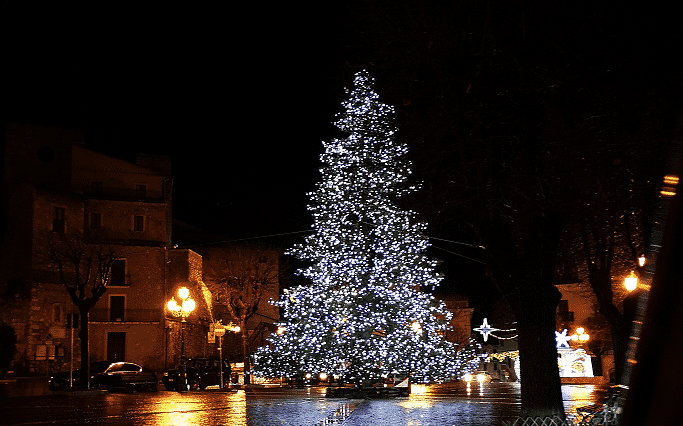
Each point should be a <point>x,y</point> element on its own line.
<point>8,347</point>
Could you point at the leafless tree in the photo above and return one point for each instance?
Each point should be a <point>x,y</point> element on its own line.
<point>238,279</point>
<point>83,268</point>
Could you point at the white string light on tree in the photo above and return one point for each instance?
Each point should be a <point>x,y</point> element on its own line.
<point>363,315</point>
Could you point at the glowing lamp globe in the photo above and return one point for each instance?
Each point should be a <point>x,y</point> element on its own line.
<point>183,293</point>
<point>189,305</point>
<point>631,282</point>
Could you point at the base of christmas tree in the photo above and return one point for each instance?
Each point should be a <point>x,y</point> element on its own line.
<point>367,392</point>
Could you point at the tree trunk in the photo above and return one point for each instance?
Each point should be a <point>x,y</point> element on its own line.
<point>245,357</point>
<point>620,326</point>
<point>85,349</point>
<point>540,376</point>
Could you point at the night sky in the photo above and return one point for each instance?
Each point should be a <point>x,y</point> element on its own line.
<point>239,97</point>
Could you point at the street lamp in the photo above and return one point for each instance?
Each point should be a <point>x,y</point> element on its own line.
<point>631,282</point>
<point>182,310</point>
<point>580,336</point>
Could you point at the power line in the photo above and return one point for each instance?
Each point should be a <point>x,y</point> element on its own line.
<point>312,230</point>
<point>458,242</point>
<point>247,238</point>
<point>460,255</point>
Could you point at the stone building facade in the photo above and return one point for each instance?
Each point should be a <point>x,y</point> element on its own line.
<point>54,186</point>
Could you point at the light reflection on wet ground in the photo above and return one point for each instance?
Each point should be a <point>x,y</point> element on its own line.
<point>485,404</point>
<point>575,396</point>
<point>194,409</point>
<point>430,406</point>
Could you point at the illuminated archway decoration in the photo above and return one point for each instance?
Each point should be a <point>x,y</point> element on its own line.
<point>500,356</point>
<point>574,363</point>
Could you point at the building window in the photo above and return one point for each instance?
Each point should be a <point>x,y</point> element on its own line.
<point>58,220</point>
<point>96,187</point>
<point>117,276</point>
<point>41,352</point>
<point>56,313</point>
<point>138,223</point>
<point>141,191</point>
<point>117,308</point>
<point>95,221</point>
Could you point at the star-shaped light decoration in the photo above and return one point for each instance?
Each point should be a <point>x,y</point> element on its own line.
<point>485,329</point>
<point>561,339</point>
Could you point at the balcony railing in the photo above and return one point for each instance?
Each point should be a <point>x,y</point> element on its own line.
<point>128,315</point>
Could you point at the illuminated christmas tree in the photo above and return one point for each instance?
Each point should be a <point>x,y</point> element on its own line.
<point>364,315</point>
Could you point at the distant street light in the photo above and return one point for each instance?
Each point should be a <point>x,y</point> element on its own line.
<point>182,310</point>
<point>580,336</point>
<point>631,282</point>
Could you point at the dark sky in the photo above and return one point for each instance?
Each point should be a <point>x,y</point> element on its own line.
<point>240,98</point>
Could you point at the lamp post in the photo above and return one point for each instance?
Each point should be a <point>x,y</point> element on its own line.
<point>219,330</point>
<point>182,310</point>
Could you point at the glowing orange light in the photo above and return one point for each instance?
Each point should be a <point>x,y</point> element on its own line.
<point>631,282</point>
<point>670,183</point>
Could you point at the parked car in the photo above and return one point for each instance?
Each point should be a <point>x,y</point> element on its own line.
<point>108,375</point>
<point>124,375</point>
<point>201,372</point>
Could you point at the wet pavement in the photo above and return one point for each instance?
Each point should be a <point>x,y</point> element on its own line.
<point>476,405</point>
